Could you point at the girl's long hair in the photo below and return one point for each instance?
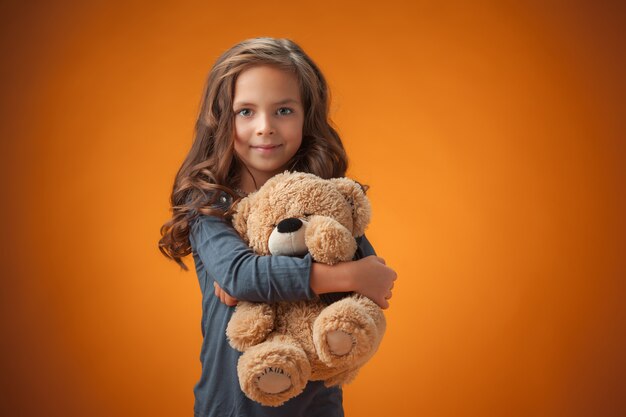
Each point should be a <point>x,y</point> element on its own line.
<point>211,168</point>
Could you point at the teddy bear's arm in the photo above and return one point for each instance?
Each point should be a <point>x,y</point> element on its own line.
<point>328,241</point>
<point>250,324</point>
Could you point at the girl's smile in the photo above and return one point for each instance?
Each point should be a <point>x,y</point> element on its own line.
<point>265,148</point>
<point>269,117</point>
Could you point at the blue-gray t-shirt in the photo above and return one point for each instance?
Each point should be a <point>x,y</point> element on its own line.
<point>220,255</point>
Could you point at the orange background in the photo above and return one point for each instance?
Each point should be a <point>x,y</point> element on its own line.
<point>492,135</point>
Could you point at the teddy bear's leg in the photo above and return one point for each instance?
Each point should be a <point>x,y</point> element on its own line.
<point>347,333</point>
<point>342,378</point>
<point>250,324</point>
<point>273,371</point>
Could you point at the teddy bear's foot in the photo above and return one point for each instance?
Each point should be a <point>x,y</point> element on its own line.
<point>274,381</point>
<point>348,332</point>
<point>274,371</point>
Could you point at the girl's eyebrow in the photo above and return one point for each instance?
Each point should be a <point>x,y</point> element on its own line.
<point>278,103</point>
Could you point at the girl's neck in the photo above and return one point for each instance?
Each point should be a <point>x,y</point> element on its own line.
<point>248,185</point>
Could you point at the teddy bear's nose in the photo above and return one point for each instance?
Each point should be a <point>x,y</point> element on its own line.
<point>289,225</point>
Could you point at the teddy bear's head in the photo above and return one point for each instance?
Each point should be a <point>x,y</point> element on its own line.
<point>295,213</point>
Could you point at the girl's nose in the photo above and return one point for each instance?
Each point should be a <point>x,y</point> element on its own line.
<point>265,126</point>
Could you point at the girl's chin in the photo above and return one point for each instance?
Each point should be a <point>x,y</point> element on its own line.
<point>266,171</point>
<point>268,167</point>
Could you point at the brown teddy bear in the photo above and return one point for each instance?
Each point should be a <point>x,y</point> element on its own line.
<point>285,344</point>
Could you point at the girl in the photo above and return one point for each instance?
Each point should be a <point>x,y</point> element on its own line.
<point>264,110</point>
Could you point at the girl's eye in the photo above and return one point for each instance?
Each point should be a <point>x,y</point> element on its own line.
<point>244,112</point>
<point>283,111</point>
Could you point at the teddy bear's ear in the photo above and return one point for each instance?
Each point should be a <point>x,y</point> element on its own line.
<point>240,217</point>
<point>354,193</point>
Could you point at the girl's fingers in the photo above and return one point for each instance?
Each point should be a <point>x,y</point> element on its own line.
<point>224,297</point>
<point>230,301</point>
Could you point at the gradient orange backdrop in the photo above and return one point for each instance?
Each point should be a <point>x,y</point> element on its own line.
<point>492,135</point>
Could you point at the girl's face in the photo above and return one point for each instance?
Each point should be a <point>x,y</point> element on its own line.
<point>268,120</point>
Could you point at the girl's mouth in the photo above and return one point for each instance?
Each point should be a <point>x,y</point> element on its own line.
<point>266,148</point>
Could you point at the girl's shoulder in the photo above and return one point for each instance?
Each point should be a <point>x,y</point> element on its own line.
<point>220,201</point>
<point>203,221</point>
<point>205,228</point>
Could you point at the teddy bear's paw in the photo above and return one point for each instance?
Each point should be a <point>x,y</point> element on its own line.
<point>249,325</point>
<point>328,241</point>
<point>344,334</point>
<point>274,381</point>
<point>273,372</point>
<point>339,342</point>
<point>351,344</point>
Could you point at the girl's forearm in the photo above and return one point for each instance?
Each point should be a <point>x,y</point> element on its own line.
<point>326,278</point>
<point>368,276</point>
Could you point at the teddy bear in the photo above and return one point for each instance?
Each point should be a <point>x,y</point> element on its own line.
<point>286,344</point>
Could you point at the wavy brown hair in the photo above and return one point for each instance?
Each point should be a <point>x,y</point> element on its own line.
<point>212,168</point>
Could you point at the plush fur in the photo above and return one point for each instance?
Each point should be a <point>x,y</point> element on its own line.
<point>285,344</point>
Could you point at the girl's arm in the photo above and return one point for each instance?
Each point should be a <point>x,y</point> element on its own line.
<point>368,276</point>
<point>222,256</point>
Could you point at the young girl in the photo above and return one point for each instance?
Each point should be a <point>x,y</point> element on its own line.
<point>264,110</point>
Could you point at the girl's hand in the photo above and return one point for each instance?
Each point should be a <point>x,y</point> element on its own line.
<point>374,279</point>
<point>368,276</point>
<point>223,296</point>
